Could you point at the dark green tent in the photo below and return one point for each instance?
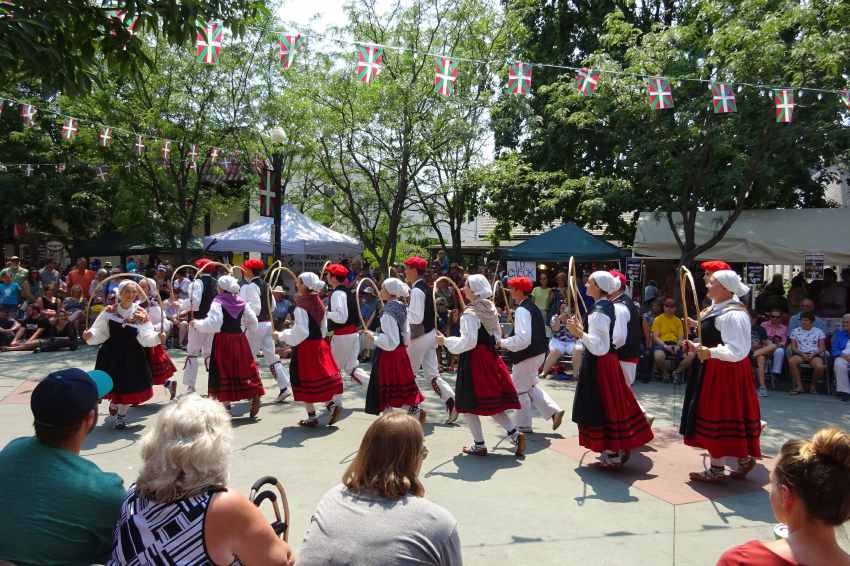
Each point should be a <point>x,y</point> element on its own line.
<point>560,243</point>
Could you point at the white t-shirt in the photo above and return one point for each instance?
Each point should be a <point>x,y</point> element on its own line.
<point>807,340</point>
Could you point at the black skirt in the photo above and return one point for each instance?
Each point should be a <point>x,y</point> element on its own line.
<point>588,409</point>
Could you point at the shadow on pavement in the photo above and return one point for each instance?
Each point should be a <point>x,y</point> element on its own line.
<point>474,468</point>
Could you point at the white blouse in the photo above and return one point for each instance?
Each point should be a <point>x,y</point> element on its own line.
<point>596,338</point>
<point>468,339</point>
<point>146,335</point>
<point>622,316</point>
<point>735,332</point>
<point>388,338</point>
<point>301,329</point>
<point>215,318</point>
<point>416,308</point>
<point>338,312</point>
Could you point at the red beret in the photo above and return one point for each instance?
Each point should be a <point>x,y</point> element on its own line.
<point>416,262</point>
<point>713,266</point>
<point>337,270</point>
<point>624,282</point>
<point>523,284</point>
<point>254,265</point>
<point>202,262</point>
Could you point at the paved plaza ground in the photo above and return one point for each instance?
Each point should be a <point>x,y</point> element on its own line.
<point>551,508</point>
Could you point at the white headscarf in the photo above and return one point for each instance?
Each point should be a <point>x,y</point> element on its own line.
<point>127,283</point>
<point>732,282</point>
<point>479,285</point>
<point>605,281</point>
<point>228,284</point>
<point>396,287</point>
<point>312,281</point>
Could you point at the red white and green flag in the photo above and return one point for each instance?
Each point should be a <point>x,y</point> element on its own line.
<point>28,114</point>
<point>586,81</point>
<point>660,94</point>
<point>69,129</point>
<point>288,44</point>
<point>783,99</point>
<point>60,167</point>
<point>369,62</point>
<point>125,20</point>
<point>845,98</point>
<point>723,98</point>
<point>214,155</point>
<point>193,153</point>
<point>140,145</point>
<point>208,42</point>
<point>445,75</point>
<point>101,173</point>
<point>268,200</point>
<point>105,136</point>
<point>519,78</point>
<point>166,150</point>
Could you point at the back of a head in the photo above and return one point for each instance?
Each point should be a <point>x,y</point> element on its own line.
<point>817,470</point>
<point>187,450</point>
<point>389,458</point>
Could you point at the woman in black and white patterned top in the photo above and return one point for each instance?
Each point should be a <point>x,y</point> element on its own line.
<point>180,511</point>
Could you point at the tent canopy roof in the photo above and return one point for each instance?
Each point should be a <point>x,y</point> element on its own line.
<point>773,237</point>
<point>560,243</point>
<point>300,235</point>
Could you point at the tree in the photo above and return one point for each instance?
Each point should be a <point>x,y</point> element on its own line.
<point>618,156</point>
<point>63,44</point>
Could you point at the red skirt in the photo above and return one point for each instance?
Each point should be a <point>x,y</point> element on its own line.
<point>162,367</point>
<point>392,382</point>
<point>624,423</point>
<point>728,416</point>
<point>137,398</point>
<point>314,374</point>
<point>233,371</point>
<point>484,384</point>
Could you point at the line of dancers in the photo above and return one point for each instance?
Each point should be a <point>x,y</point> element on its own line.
<point>229,324</point>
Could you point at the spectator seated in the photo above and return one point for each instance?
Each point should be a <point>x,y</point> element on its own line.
<point>840,350</point>
<point>807,348</point>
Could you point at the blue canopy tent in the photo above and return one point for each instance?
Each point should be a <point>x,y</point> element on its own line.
<point>563,242</point>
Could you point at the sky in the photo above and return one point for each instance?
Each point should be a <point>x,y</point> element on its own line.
<point>330,12</point>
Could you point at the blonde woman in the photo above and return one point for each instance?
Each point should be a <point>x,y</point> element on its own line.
<point>180,509</point>
<point>382,496</point>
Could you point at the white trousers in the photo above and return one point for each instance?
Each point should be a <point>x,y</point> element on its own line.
<point>262,338</point>
<point>474,424</point>
<point>199,345</point>
<point>524,375</point>
<point>345,349</point>
<point>422,352</point>
<point>778,359</point>
<point>842,383</point>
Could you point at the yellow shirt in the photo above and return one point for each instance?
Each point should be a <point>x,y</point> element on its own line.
<point>668,327</point>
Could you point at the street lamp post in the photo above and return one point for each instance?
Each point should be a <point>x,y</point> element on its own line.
<point>277,137</point>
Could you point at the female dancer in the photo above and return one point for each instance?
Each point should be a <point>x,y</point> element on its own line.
<point>162,368</point>
<point>124,334</point>
<point>609,419</point>
<point>721,412</point>
<point>313,373</point>
<point>392,383</point>
<point>484,386</point>
<point>233,371</point>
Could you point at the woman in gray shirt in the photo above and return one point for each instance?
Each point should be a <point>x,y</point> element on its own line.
<point>379,514</point>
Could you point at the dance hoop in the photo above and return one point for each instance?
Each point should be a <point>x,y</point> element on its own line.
<point>357,298</point>
<point>111,277</point>
<point>687,279</point>
<point>575,302</point>
<point>324,267</point>
<point>434,296</point>
<point>273,277</point>
<point>281,523</point>
<point>505,298</point>
<point>240,268</point>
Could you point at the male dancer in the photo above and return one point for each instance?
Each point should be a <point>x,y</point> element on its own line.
<point>527,345</point>
<point>343,320</point>
<point>202,291</point>
<point>628,333</point>
<point>423,337</point>
<point>256,293</point>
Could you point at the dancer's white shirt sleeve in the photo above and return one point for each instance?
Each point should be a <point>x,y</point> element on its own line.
<point>736,334</point>
<point>299,331</point>
<point>338,312</point>
<point>388,338</point>
<point>596,339</point>
<point>99,330</point>
<point>469,325</point>
<point>213,321</point>
<point>249,320</point>
<point>147,335</point>
<point>196,294</point>
<point>251,294</point>
<point>522,332</point>
<point>416,308</point>
<point>622,316</point>
<point>155,315</point>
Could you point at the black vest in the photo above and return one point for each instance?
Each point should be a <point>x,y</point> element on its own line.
<point>229,324</point>
<point>538,333</point>
<point>265,310</point>
<point>606,307</point>
<point>710,332</point>
<point>210,290</point>
<point>428,316</point>
<point>634,333</point>
<point>351,304</point>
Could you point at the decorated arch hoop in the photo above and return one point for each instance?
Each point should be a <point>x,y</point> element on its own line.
<point>110,278</point>
<point>324,267</point>
<point>357,297</point>
<point>505,298</point>
<point>434,295</point>
<point>574,299</point>
<point>686,279</point>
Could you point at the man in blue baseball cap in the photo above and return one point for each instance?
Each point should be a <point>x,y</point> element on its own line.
<point>57,507</point>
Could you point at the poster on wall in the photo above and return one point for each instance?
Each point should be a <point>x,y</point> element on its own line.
<point>755,273</point>
<point>522,269</point>
<point>633,269</point>
<point>813,262</point>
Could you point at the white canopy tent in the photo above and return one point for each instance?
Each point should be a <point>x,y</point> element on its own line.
<point>300,236</point>
<point>777,237</point>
